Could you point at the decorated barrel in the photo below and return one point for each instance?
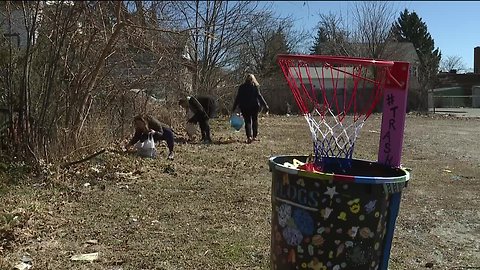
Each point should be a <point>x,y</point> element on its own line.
<point>336,219</point>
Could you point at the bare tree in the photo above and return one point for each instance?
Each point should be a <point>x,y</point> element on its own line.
<point>77,47</point>
<point>367,35</point>
<point>269,36</point>
<point>372,23</point>
<point>409,27</point>
<point>62,80</point>
<point>452,62</point>
<point>332,36</point>
<point>218,29</point>
<point>69,87</point>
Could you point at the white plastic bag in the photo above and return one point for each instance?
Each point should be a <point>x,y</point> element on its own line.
<point>147,148</point>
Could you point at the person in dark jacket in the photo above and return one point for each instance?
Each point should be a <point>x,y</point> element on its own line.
<point>200,110</point>
<point>250,100</point>
<point>145,125</point>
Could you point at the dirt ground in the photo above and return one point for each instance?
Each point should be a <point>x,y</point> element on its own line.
<point>211,208</point>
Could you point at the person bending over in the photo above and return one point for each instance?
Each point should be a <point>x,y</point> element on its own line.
<point>200,110</point>
<point>146,125</point>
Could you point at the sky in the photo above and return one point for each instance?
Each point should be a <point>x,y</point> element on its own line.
<point>454,25</point>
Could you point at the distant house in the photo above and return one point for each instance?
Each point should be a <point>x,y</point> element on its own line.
<point>456,90</point>
<point>398,51</point>
<point>340,80</point>
<point>447,97</point>
<point>405,52</point>
<point>161,68</point>
<point>154,61</point>
<point>150,77</point>
<point>12,20</point>
<point>12,24</point>
<point>322,78</point>
<point>476,96</point>
<point>392,51</point>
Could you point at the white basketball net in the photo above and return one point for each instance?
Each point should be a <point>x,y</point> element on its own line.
<point>332,137</point>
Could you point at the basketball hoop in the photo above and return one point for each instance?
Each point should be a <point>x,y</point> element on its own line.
<point>335,95</point>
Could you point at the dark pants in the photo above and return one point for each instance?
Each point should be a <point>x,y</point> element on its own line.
<point>204,126</point>
<point>167,136</point>
<point>251,122</point>
<point>205,129</point>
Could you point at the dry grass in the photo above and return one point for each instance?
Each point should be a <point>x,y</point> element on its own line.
<point>210,208</point>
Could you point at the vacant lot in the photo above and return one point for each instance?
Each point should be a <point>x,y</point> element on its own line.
<point>210,208</point>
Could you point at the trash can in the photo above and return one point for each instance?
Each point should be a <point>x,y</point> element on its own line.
<point>331,220</point>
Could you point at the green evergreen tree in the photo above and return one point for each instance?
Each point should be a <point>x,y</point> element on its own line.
<point>332,38</point>
<point>409,27</point>
<point>276,44</point>
<point>320,39</point>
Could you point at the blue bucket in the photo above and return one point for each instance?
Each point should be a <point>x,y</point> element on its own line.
<point>236,121</point>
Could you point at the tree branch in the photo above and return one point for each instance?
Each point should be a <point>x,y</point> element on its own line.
<point>69,164</point>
